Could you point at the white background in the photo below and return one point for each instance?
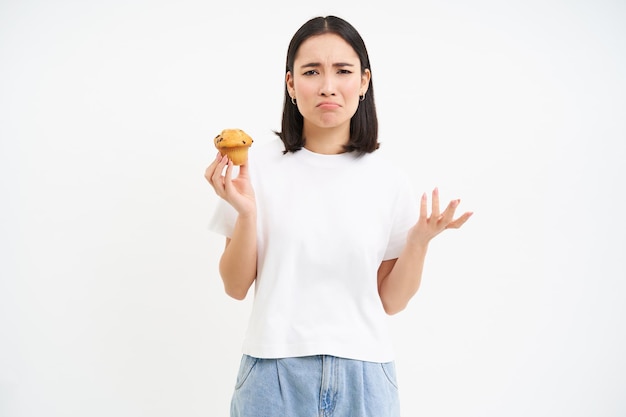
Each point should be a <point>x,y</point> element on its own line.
<point>110,302</point>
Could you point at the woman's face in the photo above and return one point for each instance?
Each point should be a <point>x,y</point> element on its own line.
<point>326,81</point>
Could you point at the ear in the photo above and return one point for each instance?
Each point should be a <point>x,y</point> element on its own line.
<point>365,81</point>
<point>289,83</point>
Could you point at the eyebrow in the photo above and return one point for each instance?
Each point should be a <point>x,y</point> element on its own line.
<point>317,64</point>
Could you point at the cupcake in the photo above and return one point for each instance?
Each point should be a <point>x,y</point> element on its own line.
<point>235,144</point>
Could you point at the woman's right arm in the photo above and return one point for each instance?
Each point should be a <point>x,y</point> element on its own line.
<point>238,262</point>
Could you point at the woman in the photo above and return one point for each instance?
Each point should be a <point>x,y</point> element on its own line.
<point>330,234</point>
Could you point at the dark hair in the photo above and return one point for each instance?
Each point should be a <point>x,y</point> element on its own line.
<point>364,123</point>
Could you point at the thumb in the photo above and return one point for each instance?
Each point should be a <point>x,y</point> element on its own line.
<point>243,170</point>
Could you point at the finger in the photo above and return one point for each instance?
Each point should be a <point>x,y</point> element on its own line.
<point>208,172</point>
<point>217,180</point>
<point>435,210</point>
<point>424,207</point>
<point>228,177</point>
<point>447,216</point>
<point>460,221</point>
<point>243,170</point>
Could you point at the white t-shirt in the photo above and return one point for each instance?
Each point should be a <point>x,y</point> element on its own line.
<point>324,225</point>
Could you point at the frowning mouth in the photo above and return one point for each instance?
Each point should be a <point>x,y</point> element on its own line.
<point>328,105</point>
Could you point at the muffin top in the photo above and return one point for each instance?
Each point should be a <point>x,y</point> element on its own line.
<point>230,138</point>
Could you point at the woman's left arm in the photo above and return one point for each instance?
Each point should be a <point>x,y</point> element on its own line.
<point>400,278</point>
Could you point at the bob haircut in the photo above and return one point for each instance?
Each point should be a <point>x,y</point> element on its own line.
<point>364,123</point>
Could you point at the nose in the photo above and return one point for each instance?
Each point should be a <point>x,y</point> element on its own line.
<point>327,87</point>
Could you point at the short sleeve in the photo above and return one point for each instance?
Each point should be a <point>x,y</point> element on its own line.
<point>223,219</point>
<point>405,215</point>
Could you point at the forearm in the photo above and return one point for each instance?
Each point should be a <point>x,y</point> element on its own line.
<point>239,260</point>
<point>401,283</point>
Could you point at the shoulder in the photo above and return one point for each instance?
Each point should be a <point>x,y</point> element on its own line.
<point>384,162</point>
<point>266,148</point>
<point>265,157</point>
<point>387,174</point>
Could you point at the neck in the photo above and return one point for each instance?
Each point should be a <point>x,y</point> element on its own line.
<point>328,141</point>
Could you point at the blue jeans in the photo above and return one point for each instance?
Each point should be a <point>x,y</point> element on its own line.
<point>315,386</point>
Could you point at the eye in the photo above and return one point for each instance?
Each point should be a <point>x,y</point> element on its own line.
<point>344,71</point>
<point>311,72</point>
